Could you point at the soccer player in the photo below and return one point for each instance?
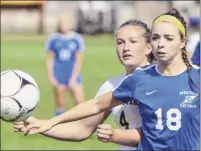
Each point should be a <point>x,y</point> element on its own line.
<point>65,52</point>
<point>133,49</point>
<point>168,93</point>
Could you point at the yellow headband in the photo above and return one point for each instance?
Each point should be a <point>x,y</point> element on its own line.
<point>171,19</point>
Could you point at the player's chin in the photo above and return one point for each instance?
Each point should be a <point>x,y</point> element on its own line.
<point>163,59</point>
<point>129,62</point>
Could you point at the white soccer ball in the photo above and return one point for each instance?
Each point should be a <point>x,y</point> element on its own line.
<point>19,95</point>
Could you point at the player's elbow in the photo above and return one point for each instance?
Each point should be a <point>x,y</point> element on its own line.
<point>98,107</point>
<point>84,136</point>
<point>81,132</point>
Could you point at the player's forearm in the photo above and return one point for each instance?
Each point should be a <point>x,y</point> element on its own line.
<point>49,66</point>
<point>126,137</point>
<point>72,131</point>
<point>87,109</point>
<point>83,110</point>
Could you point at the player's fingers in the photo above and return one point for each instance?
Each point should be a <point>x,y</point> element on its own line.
<point>18,126</point>
<point>16,130</point>
<point>32,125</point>
<point>104,140</point>
<point>29,127</point>
<point>18,123</point>
<point>23,129</point>
<point>27,132</point>
<point>104,131</point>
<point>104,126</point>
<point>103,136</point>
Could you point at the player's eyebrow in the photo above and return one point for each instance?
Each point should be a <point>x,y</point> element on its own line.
<point>129,38</point>
<point>167,35</point>
<point>134,38</point>
<point>119,39</point>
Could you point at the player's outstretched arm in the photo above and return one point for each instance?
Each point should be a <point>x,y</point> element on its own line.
<point>106,133</point>
<point>72,131</point>
<point>83,110</point>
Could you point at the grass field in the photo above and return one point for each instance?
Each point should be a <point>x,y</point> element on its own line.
<point>27,53</point>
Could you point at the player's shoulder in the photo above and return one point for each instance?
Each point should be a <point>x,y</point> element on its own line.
<point>195,69</point>
<point>77,35</point>
<point>114,81</point>
<point>53,36</point>
<point>145,69</point>
<point>117,79</point>
<point>109,84</point>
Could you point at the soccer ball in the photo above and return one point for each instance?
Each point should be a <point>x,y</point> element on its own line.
<point>19,95</point>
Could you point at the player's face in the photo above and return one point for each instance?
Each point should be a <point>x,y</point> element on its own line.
<point>64,25</point>
<point>131,46</point>
<point>166,41</point>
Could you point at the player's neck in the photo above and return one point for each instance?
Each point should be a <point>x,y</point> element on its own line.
<point>173,68</point>
<point>67,34</point>
<point>130,70</point>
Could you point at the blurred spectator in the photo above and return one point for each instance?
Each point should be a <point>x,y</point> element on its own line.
<point>64,62</point>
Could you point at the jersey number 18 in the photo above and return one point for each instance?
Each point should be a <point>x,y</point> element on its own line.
<point>173,119</point>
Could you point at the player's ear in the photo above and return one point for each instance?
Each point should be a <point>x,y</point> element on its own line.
<point>148,51</point>
<point>183,43</point>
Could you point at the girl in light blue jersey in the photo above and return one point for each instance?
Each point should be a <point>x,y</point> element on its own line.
<point>168,93</point>
<point>65,51</point>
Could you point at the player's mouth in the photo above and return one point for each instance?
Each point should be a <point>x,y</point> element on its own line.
<point>126,56</point>
<point>160,53</point>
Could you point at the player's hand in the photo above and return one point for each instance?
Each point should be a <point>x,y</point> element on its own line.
<point>53,81</point>
<point>38,126</point>
<point>21,126</point>
<point>105,133</point>
<point>72,83</point>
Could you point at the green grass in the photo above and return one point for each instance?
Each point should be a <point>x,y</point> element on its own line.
<point>27,53</point>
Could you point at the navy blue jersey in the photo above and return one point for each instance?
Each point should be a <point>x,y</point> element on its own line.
<point>65,50</point>
<point>169,106</point>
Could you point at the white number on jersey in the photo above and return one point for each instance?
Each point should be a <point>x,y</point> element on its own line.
<point>173,119</point>
<point>64,55</point>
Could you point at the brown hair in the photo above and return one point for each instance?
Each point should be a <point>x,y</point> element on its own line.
<point>174,12</point>
<point>146,34</point>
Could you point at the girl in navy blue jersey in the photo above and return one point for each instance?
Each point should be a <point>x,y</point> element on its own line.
<point>168,93</point>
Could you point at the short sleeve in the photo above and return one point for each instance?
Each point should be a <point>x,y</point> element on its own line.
<point>106,87</point>
<point>49,43</point>
<point>124,92</point>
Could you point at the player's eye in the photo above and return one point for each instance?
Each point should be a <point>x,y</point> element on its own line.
<point>169,39</point>
<point>119,42</point>
<point>133,41</point>
<point>154,38</point>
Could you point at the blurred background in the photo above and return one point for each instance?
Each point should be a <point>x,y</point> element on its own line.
<point>25,26</point>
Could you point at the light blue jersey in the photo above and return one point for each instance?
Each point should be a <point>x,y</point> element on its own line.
<point>65,50</point>
<point>169,107</point>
